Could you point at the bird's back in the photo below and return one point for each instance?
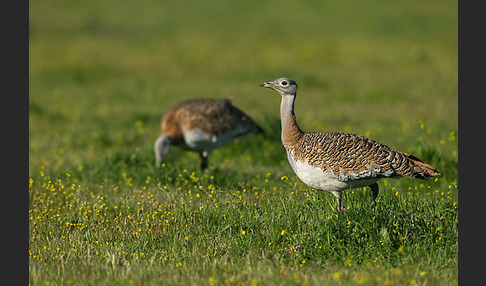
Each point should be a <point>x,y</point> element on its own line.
<point>214,117</point>
<point>353,157</point>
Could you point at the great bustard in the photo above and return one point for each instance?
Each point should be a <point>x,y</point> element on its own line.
<point>202,125</point>
<point>334,161</point>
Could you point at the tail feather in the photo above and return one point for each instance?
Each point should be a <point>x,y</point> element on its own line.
<point>259,129</point>
<point>418,168</point>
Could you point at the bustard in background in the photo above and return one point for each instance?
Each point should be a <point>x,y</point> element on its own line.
<point>202,125</point>
<point>334,161</point>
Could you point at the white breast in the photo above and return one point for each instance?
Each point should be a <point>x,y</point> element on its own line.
<point>324,180</point>
<point>199,140</point>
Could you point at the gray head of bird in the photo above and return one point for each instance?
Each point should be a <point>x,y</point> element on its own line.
<point>161,148</point>
<point>283,85</point>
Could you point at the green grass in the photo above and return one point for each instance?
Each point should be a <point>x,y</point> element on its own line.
<point>101,75</point>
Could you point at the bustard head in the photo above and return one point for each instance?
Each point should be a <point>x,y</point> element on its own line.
<point>284,86</point>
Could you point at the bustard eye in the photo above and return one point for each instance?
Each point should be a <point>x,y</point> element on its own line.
<point>284,83</point>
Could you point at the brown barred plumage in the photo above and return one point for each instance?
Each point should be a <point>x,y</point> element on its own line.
<point>202,125</point>
<point>337,151</point>
<point>334,161</point>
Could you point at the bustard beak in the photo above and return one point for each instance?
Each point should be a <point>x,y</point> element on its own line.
<point>267,84</point>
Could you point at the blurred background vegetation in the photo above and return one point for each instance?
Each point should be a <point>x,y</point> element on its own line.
<point>102,73</point>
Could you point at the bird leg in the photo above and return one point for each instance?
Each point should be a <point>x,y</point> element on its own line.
<point>204,160</point>
<point>374,189</point>
<point>340,205</point>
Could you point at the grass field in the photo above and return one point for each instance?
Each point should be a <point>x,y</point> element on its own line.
<point>101,75</point>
